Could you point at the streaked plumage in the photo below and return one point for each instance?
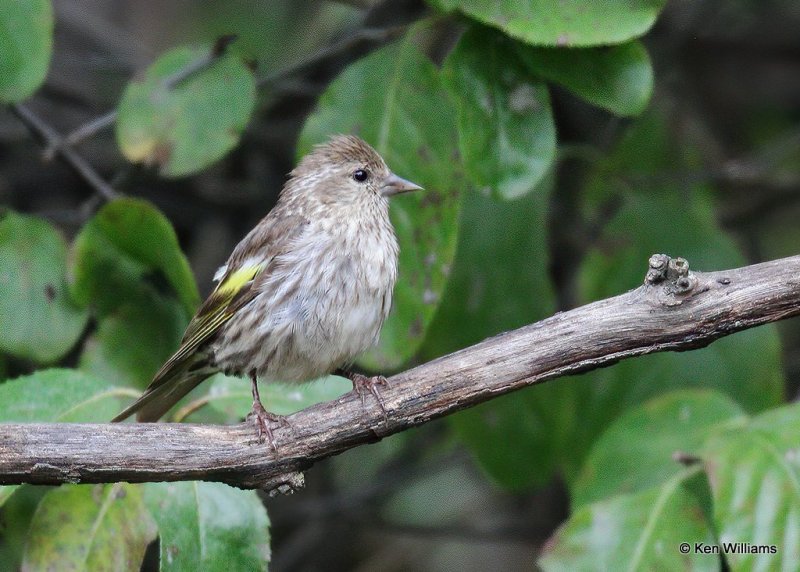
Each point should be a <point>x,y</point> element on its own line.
<point>308,288</point>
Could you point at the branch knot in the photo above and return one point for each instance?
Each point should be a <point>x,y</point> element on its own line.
<point>663,268</point>
<point>672,273</point>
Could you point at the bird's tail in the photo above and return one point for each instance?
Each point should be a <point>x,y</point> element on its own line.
<point>167,388</point>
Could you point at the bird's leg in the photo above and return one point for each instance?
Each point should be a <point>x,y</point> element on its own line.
<point>363,384</point>
<point>263,417</point>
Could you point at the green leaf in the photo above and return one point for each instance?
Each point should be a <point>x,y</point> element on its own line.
<point>58,395</point>
<point>133,341</point>
<point>500,282</point>
<point>127,263</point>
<point>506,131</point>
<point>635,452</point>
<point>616,78</point>
<point>128,240</point>
<point>26,41</point>
<point>185,126</point>
<point>15,520</point>
<point>509,441</point>
<point>563,23</point>
<point>754,474</point>
<point>598,397</point>
<point>209,526</point>
<point>641,531</point>
<point>231,395</point>
<point>98,527</point>
<point>6,492</point>
<point>395,100</point>
<point>255,25</point>
<point>38,320</point>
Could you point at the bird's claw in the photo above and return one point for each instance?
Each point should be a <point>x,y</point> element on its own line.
<point>263,419</point>
<point>363,384</point>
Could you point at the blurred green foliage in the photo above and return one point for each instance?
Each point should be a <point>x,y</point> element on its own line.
<point>26,42</point>
<point>563,23</point>
<point>616,78</point>
<point>506,131</point>
<point>476,127</point>
<point>99,527</point>
<point>638,531</point>
<point>158,116</point>
<point>40,321</point>
<point>209,526</point>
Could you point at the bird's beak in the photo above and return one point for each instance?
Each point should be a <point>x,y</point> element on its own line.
<point>394,185</point>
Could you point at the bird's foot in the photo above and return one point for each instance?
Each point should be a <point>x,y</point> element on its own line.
<point>363,385</point>
<point>263,419</point>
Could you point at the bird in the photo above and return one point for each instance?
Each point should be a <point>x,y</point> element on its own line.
<point>305,291</point>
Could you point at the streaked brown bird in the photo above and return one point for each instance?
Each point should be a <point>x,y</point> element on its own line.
<point>304,293</point>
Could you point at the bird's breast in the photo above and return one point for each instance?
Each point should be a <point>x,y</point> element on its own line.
<point>323,303</point>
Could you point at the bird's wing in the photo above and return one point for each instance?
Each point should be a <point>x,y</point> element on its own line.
<point>252,259</point>
<point>185,369</point>
<point>235,289</point>
<point>237,286</point>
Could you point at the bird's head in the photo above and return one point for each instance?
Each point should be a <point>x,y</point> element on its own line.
<point>346,171</point>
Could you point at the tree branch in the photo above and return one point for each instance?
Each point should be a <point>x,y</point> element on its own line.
<point>52,140</point>
<point>674,310</point>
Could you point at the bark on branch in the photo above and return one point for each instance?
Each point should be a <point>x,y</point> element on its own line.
<point>675,309</point>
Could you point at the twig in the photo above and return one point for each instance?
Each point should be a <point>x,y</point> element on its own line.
<point>85,131</point>
<point>201,63</point>
<point>190,408</point>
<point>52,140</point>
<point>675,310</point>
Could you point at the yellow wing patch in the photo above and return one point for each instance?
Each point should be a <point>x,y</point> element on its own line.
<point>234,281</point>
<point>232,292</point>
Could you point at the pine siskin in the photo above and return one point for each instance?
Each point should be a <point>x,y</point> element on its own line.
<point>305,291</point>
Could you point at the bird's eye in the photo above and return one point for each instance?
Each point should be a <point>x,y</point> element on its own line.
<point>361,175</point>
